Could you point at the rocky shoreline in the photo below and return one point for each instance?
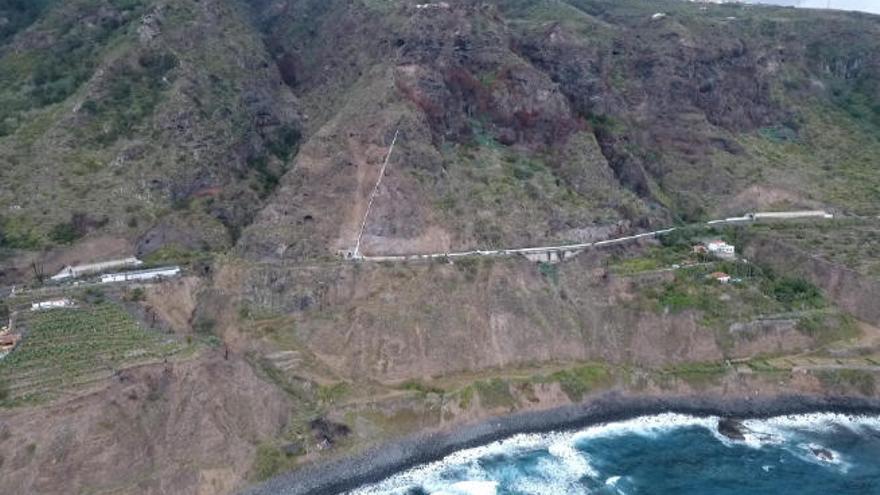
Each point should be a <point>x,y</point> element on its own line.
<point>380,462</point>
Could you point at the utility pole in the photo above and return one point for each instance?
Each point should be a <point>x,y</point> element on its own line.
<point>357,246</point>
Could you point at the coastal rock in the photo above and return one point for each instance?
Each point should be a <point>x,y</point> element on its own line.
<point>732,429</point>
<point>327,433</point>
<point>822,454</point>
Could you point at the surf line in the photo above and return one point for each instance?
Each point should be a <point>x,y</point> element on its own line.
<point>357,246</point>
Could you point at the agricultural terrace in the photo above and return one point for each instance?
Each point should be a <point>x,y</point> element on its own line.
<point>755,292</point>
<point>65,349</point>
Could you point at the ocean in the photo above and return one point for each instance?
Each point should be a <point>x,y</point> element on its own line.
<point>821,454</point>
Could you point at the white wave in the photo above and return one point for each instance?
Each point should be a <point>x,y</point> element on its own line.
<point>612,482</point>
<point>574,462</point>
<point>559,473</point>
<point>808,452</point>
<point>817,422</point>
<point>786,429</point>
<point>566,465</point>
<point>471,488</point>
<point>428,475</point>
<point>648,426</point>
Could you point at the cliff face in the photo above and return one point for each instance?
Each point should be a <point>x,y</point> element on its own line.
<point>393,324</point>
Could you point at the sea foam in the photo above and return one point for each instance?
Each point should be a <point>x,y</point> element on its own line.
<point>561,465</point>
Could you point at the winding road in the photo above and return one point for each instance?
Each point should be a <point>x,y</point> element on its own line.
<point>559,252</point>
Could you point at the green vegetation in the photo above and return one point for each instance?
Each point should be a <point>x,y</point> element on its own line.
<point>329,394</point>
<point>65,233</point>
<point>283,144</point>
<point>550,272</point>
<point>494,393</point>
<point>844,380</point>
<point>421,388</point>
<point>677,297</point>
<point>63,349</point>
<point>33,79</point>
<point>268,461</point>
<point>172,253</point>
<point>17,233</point>
<point>19,14</point>
<point>502,196</point>
<point>465,397</point>
<point>136,295</point>
<point>470,267</point>
<point>132,92</point>
<point>844,242</point>
<point>579,381</point>
<point>697,374</point>
<point>794,293</point>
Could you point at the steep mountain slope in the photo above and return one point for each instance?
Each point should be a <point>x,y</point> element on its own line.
<point>527,122</point>
<point>243,139</point>
<point>142,119</point>
<point>521,122</point>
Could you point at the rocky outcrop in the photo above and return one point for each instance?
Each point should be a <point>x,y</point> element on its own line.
<point>732,429</point>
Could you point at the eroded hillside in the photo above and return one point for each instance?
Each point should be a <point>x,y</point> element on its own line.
<point>243,140</point>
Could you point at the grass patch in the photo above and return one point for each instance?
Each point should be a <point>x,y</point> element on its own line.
<point>330,394</point>
<point>794,293</point>
<point>470,267</point>
<point>549,271</point>
<point>827,327</point>
<point>466,397</point>
<point>842,381</point>
<point>421,388</point>
<point>579,381</point>
<point>173,254</point>
<point>133,91</point>
<point>494,393</point>
<point>698,374</point>
<point>268,461</point>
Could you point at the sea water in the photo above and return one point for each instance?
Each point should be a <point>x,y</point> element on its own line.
<point>821,454</point>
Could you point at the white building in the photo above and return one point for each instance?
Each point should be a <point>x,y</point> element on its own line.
<point>141,276</point>
<point>791,215</point>
<point>721,249</point>
<point>81,270</point>
<point>54,304</point>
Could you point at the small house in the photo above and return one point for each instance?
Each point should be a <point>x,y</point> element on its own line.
<point>53,304</point>
<point>721,249</point>
<point>8,341</point>
<point>721,277</point>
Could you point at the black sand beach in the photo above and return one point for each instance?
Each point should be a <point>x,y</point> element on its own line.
<point>380,462</point>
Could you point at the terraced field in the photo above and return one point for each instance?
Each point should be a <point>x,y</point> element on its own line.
<point>65,349</point>
<point>849,242</point>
